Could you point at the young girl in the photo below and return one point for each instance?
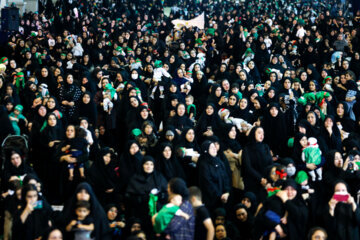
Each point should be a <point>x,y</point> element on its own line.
<point>116,221</point>
<point>83,225</point>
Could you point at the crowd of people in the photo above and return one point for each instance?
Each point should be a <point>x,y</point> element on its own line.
<point>246,129</point>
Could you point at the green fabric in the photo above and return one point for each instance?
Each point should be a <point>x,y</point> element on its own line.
<point>164,217</point>
<point>158,64</point>
<point>152,204</point>
<point>312,155</point>
<point>15,124</point>
<point>109,87</point>
<point>290,142</point>
<point>188,108</point>
<point>301,176</point>
<point>136,132</point>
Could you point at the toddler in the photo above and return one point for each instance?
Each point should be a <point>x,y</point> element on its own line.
<point>83,225</point>
<point>312,154</point>
<point>109,94</point>
<point>161,219</point>
<point>77,148</point>
<point>190,107</point>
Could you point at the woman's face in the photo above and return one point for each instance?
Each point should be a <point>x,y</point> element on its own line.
<point>42,111</point>
<point>287,84</point>
<point>148,167</point>
<point>86,98</point>
<point>267,85</point>
<point>218,92</point>
<point>13,64</point>
<point>31,197</point>
<point>44,72</point>
<point>212,150</point>
<point>251,65</point>
<point>70,132</point>
<point>243,103</point>
<point>232,101</point>
<point>241,214</point>
<point>148,129</point>
<point>341,188</point>
<point>291,192</point>
<point>134,148</point>
<point>226,85</point>
<point>259,135</point>
<point>52,121</point>
<point>303,76</point>
<point>272,77</point>
<point>180,73</point>
<point>328,123</point>
<point>197,68</point>
<point>220,232</point>
<point>51,103</point>
<point>242,76</point>
<point>55,235</point>
<point>173,88</point>
<point>340,110</point>
<point>167,152</point>
<point>107,158</point>
<point>181,110</point>
<point>209,110</point>
<point>338,160</point>
<point>190,135</point>
<point>271,94</point>
<point>83,195</point>
<point>69,79</point>
<point>257,105</point>
<point>16,160</point>
<point>144,114</point>
<point>274,111</point>
<point>312,86</point>
<point>112,213</point>
<point>232,133</point>
<point>311,118</point>
<point>319,235</point>
<point>134,102</point>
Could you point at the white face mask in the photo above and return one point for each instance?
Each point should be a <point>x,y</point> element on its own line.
<point>290,171</point>
<point>134,76</point>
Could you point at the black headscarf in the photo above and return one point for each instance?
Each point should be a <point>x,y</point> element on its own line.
<point>97,212</point>
<point>171,167</point>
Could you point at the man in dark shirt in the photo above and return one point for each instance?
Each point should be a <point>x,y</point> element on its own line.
<point>204,228</point>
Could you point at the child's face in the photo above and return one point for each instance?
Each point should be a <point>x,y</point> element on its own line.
<point>273,174</point>
<point>304,183</point>
<point>176,200</point>
<point>112,213</point>
<point>188,101</point>
<point>82,213</point>
<point>304,142</point>
<point>235,90</point>
<point>16,112</point>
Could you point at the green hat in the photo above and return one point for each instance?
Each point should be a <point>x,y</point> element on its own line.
<point>327,78</point>
<point>158,64</point>
<point>58,114</point>
<point>249,51</point>
<point>136,132</point>
<point>301,22</point>
<point>268,70</point>
<point>19,108</point>
<point>138,60</point>
<point>301,176</point>
<point>109,87</point>
<point>290,142</point>
<point>3,59</point>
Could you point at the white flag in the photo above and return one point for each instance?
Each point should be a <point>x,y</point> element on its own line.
<point>195,22</point>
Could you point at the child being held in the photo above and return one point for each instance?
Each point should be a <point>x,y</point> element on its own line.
<point>161,219</point>
<point>77,148</point>
<point>190,107</point>
<point>109,94</point>
<point>83,225</point>
<point>312,154</point>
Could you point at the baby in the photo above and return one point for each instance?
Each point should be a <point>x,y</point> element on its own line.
<point>312,154</point>
<point>161,219</point>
